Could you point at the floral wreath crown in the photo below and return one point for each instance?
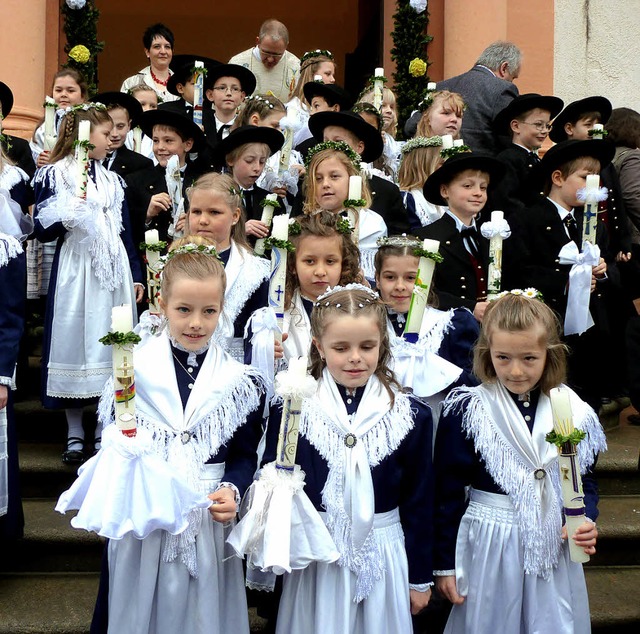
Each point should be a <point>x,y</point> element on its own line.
<point>365,106</point>
<point>188,249</point>
<point>529,293</point>
<point>343,227</point>
<point>324,300</point>
<point>85,107</point>
<point>309,55</point>
<point>420,142</point>
<point>259,99</point>
<point>339,146</point>
<point>399,241</point>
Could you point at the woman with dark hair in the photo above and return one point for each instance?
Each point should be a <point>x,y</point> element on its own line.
<point>158,47</point>
<point>623,130</point>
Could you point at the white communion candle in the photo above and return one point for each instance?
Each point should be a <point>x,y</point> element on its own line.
<point>121,318</point>
<point>50,135</point>
<point>590,212</point>
<point>280,230</point>
<point>198,94</point>
<point>317,78</point>
<point>420,295</point>
<point>458,143</point>
<point>431,86</point>
<point>151,236</point>
<point>82,159</point>
<point>447,141</point>
<point>379,72</point>
<point>597,131</point>
<point>267,217</point>
<point>494,274</point>
<point>378,85</point>
<point>137,139</point>
<point>355,187</point>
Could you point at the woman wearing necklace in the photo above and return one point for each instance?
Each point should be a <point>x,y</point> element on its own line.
<point>158,47</point>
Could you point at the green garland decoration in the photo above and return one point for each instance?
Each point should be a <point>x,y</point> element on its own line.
<point>265,202</point>
<point>80,28</point>
<point>120,338</point>
<point>271,243</point>
<point>4,141</point>
<point>344,227</point>
<point>354,202</point>
<point>602,133</point>
<point>560,439</point>
<point>454,151</point>
<point>419,252</point>
<point>158,247</point>
<point>340,146</point>
<point>410,43</point>
<point>295,229</point>
<point>85,144</point>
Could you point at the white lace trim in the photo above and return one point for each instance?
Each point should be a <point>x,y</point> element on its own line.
<point>10,248</point>
<point>254,271</point>
<point>11,175</point>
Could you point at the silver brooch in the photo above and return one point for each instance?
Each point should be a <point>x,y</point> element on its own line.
<point>350,441</point>
<point>185,437</point>
<point>539,474</point>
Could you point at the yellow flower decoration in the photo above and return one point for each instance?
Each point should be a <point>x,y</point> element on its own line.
<point>80,54</point>
<point>417,67</point>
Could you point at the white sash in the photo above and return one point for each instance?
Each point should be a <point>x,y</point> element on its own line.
<point>513,455</point>
<point>352,445</point>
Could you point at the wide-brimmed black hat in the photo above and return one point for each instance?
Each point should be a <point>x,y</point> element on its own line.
<point>332,93</point>
<point>566,151</point>
<point>182,67</point>
<point>353,122</point>
<point>246,78</point>
<point>6,99</point>
<point>575,110</point>
<point>126,101</point>
<point>459,163</point>
<point>172,119</point>
<point>524,103</point>
<point>247,134</point>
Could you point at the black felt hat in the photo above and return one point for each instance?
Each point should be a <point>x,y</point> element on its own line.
<point>126,101</point>
<point>459,163</point>
<point>566,151</point>
<point>246,78</point>
<point>186,126</point>
<point>6,99</point>
<point>524,103</point>
<point>247,134</point>
<point>182,67</point>
<point>332,93</point>
<point>575,110</point>
<point>353,122</point>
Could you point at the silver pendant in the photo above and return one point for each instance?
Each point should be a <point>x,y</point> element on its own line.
<point>185,437</point>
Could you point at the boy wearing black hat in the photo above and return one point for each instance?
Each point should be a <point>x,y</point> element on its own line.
<point>366,140</point>
<point>461,186</point>
<point>549,225</point>
<point>526,121</point>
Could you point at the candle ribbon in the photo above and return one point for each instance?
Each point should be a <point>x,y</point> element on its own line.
<point>495,228</point>
<point>578,318</point>
<point>599,194</point>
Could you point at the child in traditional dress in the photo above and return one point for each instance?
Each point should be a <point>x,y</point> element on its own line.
<point>203,409</point>
<point>442,114</point>
<point>448,334</point>
<point>92,271</point>
<point>318,63</point>
<point>147,97</point>
<point>329,166</point>
<point>502,561</point>
<point>244,154</point>
<point>215,212</point>
<point>420,158</point>
<point>365,447</point>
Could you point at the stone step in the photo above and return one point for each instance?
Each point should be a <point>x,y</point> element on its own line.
<point>57,603</point>
<point>51,544</point>
<point>618,531</point>
<point>613,599</point>
<point>618,469</point>
<point>42,472</point>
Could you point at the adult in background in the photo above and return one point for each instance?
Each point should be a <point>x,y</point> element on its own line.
<point>274,66</point>
<point>158,47</point>
<point>486,89</point>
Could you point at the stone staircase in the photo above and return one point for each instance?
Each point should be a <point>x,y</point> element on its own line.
<point>49,580</point>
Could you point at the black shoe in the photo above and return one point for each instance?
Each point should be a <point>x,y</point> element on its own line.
<point>97,441</point>
<point>73,456</point>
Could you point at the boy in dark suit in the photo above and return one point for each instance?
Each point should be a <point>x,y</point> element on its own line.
<point>461,185</point>
<point>15,148</point>
<point>526,121</point>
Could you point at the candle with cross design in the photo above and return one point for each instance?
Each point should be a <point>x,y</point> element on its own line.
<point>278,276</point>
<point>590,214</point>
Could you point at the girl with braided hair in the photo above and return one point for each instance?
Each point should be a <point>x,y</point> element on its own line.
<point>94,269</point>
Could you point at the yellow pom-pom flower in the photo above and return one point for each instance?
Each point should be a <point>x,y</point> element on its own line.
<point>417,67</point>
<point>80,53</point>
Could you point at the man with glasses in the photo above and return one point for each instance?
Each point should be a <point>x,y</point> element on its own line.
<point>274,67</point>
<point>526,120</point>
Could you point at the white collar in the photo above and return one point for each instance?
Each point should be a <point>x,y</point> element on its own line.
<point>219,123</point>
<point>561,210</point>
<point>459,224</point>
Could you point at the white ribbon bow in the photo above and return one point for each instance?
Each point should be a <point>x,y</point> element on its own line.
<point>578,318</point>
<point>495,228</point>
<point>599,194</point>
<point>418,5</point>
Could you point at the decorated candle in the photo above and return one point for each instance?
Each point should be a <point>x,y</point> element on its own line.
<point>151,237</point>
<point>288,435</point>
<point>82,158</point>
<point>494,279</point>
<point>420,295</point>
<point>137,139</point>
<point>590,214</point>
<point>355,187</point>
<point>447,141</point>
<point>458,143</point>
<point>431,86</point>
<point>288,125</point>
<point>198,92</point>
<point>123,377</point>
<point>173,178</point>
<point>570,479</point>
<point>317,78</point>
<point>597,132</point>
<point>267,217</point>
<point>277,278</point>
<point>378,85</point>
<point>50,136</point>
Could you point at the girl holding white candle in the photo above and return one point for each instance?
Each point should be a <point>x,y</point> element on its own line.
<point>203,409</point>
<point>365,448</point>
<point>94,269</point>
<point>507,547</point>
<point>329,166</point>
<point>215,212</point>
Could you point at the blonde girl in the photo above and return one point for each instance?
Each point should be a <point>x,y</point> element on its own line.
<point>491,458</point>
<point>442,114</point>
